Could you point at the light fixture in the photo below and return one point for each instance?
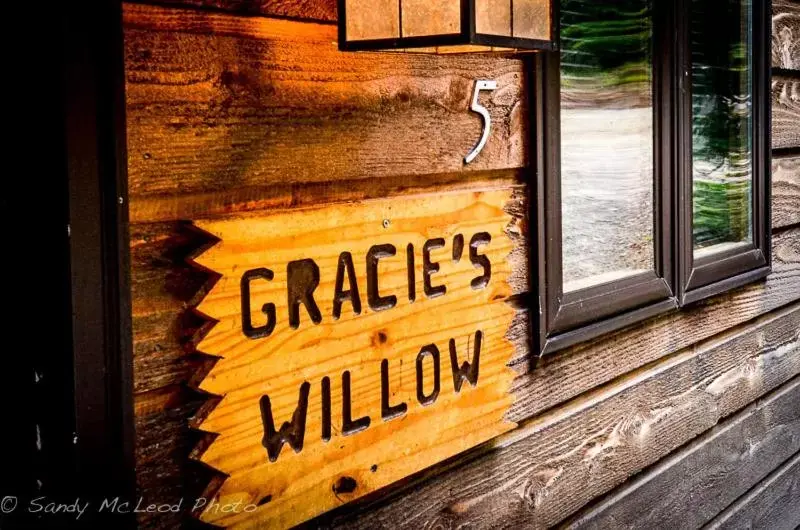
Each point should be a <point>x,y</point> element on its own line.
<point>447,26</point>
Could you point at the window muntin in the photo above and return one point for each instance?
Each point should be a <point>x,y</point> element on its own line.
<point>607,135</point>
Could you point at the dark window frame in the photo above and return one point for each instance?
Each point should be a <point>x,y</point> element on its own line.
<point>565,319</point>
<point>747,262</point>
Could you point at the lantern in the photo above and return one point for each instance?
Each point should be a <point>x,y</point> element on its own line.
<point>447,26</point>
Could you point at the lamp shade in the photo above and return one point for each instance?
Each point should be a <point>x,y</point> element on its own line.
<point>447,26</point>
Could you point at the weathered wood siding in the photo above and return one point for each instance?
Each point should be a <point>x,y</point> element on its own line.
<point>604,426</point>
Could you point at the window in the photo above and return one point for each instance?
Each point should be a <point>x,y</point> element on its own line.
<point>725,234</point>
<point>653,159</point>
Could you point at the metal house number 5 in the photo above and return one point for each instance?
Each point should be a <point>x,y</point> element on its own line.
<point>487,119</point>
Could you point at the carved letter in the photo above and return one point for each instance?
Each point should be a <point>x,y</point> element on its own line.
<point>291,433</point>
<point>376,301</point>
<point>467,371</point>
<point>458,247</point>
<point>326,409</point>
<point>268,309</point>
<point>350,426</point>
<point>432,351</point>
<point>302,277</point>
<point>389,412</point>
<point>429,268</point>
<point>412,277</point>
<point>351,295</point>
<point>480,260</point>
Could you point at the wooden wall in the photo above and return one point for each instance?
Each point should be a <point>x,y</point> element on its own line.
<point>708,397</point>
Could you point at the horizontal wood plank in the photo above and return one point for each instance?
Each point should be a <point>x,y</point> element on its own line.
<point>786,34</point>
<point>785,112</point>
<point>785,191</point>
<point>546,470</point>
<point>558,378</point>
<point>218,103</point>
<point>697,482</point>
<point>772,504</point>
<point>282,196</point>
<point>318,10</point>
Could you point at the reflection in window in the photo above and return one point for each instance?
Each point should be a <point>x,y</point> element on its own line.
<point>721,123</point>
<point>606,140</point>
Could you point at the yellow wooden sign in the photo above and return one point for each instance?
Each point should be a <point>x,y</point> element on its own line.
<point>359,344</point>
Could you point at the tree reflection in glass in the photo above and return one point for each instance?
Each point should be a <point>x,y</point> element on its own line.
<point>606,140</point>
<point>722,164</point>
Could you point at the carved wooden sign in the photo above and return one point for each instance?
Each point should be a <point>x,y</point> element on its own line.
<point>358,344</point>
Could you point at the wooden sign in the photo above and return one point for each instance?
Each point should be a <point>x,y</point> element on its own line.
<point>359,344</point>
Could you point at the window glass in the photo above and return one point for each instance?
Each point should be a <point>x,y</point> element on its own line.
<point>722,113</point>
<point>606,140</point>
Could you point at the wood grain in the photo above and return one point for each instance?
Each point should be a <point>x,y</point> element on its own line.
<point>555,464</point>
<point>218,103</point>
<point>462,318</point>
<point>785,191</point>
<point>771,504</point>
<point>786,34</point>
<point>318,10</point>
<point>164,471</point>
<point>284,196</point>
<point>785,112</point>
<point>163,288</point>
<point>691,486</point>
